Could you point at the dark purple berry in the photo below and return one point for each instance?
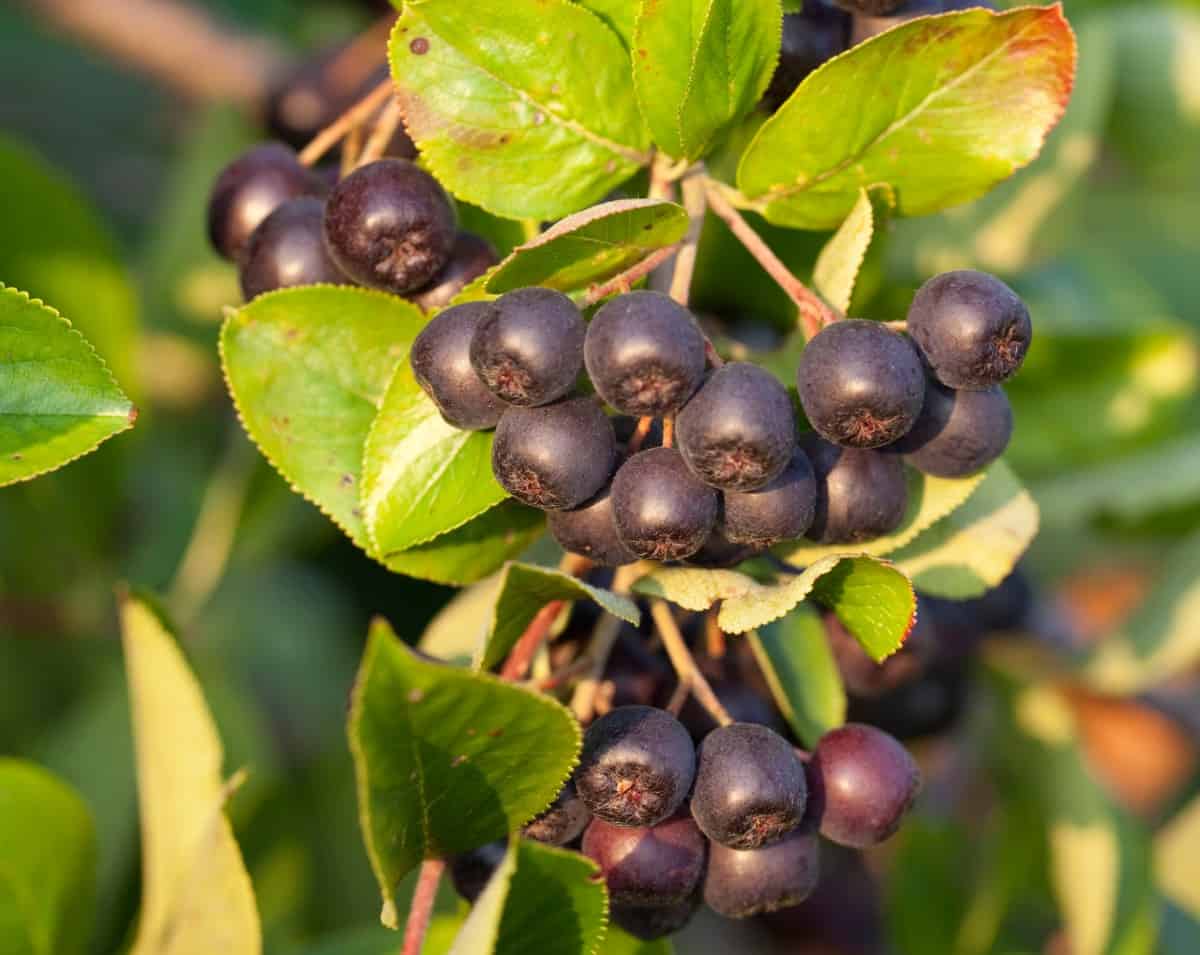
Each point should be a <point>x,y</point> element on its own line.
<point>390,225</point>
<point>651,922</point>
<point>861,495</point>
<point>864,677</point>
<point>867,25</point>
<point>783,510</point>
<point>441,363</point>
<point>644,354</point>
<point>637,766</point>
<point>591,532</point>
<point>739,430</point>
<point>958,432</point>
<point>875,7</point>
<point>863,782</point>
<point>750,787</point>
<point>972,329</point>
<point>469,259</point>
<point>288,249</point>
<point>745,882</point>
<point>249,189</point>
<point>718,552</point>
<point>815,34</point>
<point>742,702</point>
<point>662,865</point>
<point>471,871</point>
<point>564,820</point>
<point>555,457</point>
<point>662,512</point>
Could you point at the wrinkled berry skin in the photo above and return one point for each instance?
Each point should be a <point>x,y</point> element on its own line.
<point>564,820</point>
<point>287,249</point>
<point>958,432</point>
<point>390,225</point>
<point>644,354</point>
<point>662,865</point>
<point>861,495</point>
<point>591,532</point>
<point>815,34</point>
<point>739,430</point>
<point>471,871</point>
<point>862,783</point>
<point>469,259</point>
<point>636,767</point>
<point>249,189</point>
<point>441,363</point>
<point>529,349</point>
<point>971,328</point>
<point>783,510</point>
<point>750,786</point>
<point>741,883</point>
<point>861,384</point>
<point>662,512</point>
<point>651,922</point>
<point>555,457</point>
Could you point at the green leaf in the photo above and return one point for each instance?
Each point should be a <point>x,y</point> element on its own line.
<point>701,65</point>
<point>446,759</point>
<point>196,893</point>
<point>48,866</point>
<point>57,398</point>
<point>839,263</point>
<point>794,656</point>
<point>540,899</point>
<point>524,590</point>
<point>1004,78</point>
<point>307,368</point>
<point>592,246</point>
<point>523,107</point>
<point>618,14</point>
<point>974,548</point>
<point>462,625</point>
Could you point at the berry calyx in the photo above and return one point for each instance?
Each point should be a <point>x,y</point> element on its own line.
<point>741,883</point>
<point>661,511</point>
<point>288,249</point>
<point>861,495</point>
<point>441,363</point>
<point>660,865</point>
<point>958,432</point>
<point>591,531</point>
<point>783,510</point>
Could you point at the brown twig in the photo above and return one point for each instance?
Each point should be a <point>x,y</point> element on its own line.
<point>354,117</point>
<point>350,150</point>
<point>421,912</point>
<point>683,689</point>
<point>624,282</point>
<point>714,636</point>
<point>604,638</point>
<point>662,183</point>
<point>668,426</point>
<point>685,664</point>
<point>696,205</point>
<point>814,313</point>
<point>381,135</point>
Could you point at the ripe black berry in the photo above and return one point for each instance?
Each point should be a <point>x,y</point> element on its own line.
<point>874,7</point>
<point>750,787</point>
<point>563,822</point>
<point>554,457</point>
<point>591,531</point>
<point>648,866</point>
<point>738,431</point>
<point>637,766</point>
<point>441,363</point>
<point>469,259</point>
<point>390,225</point>
<point>815,34</point>
<point>645,354</point>
<point>867,25</point>
<point>650,922</point>
<point>972,329</point>
<point>249,189</point>
<point>861,495</point>
<point>745,882</point>
<point>471,871</point>
<point>861,384</point>
<point>862,784</point>
<point>662,512</point>
<point>783,510</point>
<point>288,249</point>
<point>958,432</point>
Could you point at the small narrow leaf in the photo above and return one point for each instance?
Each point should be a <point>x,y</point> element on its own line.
<point>838,265</point>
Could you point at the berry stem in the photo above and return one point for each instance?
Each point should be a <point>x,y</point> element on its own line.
<point>520,658</point>
<point>814,313</point>
<point>604,638</point>
<point>421,912</point>
<point>685,664</point>
<point>668,440</point>
<point>351,149</point>
<point>624,282</point>
<point>685,262</point>
<point>354,117</point>
<point>662,183</point>
<point>385,128</point>
<point>710,352</point>
<point>638,438</point>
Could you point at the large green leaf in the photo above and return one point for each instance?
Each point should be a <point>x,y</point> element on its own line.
<point>840,261</point>
<point>307,369</point>
<point>48,866</point>
<point>701,65</point>
<point>523,107</point>
<point>57,398</point>
<point>591,246</point>
<point>620,15</point>
<point>944,108</point>
<point>446,759</point>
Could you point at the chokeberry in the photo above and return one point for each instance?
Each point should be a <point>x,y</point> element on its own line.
<point>958,432</point>
<point>288,249</point>
<point>861,495</point>
<point>865,678</point>
<point>741,883</point>
<point>862,784</point>
<point>529,348</point>
<point>591,531</point>
<point>659,865</point>
<point>637,766</point>
<point>742,702</point>
<point>644,354</point>
<point>471,871</point>
<point>249,189</point>
<point>563,821</point>
<point>737,433</point>
<point>718,552</point>
<point>873,7</point>
<point>441,363</point>
<point>554,457</point>
<point>972,329</point>
<point>868,24</point>
<point>471,256</point>
<point>662,512</point>
<point>814,34</point>
<point>651,922</point>
<point>783,510</point>
<point>390,225</point>
<point>750,787</point>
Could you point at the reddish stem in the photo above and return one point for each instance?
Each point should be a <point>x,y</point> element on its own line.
<point>421,912</point>
<point>354,117</point>
<point>624,281</point>
<point>526,647</point>
<point>710,352</point>
<point>668,432</point>
<point>638,438</point>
